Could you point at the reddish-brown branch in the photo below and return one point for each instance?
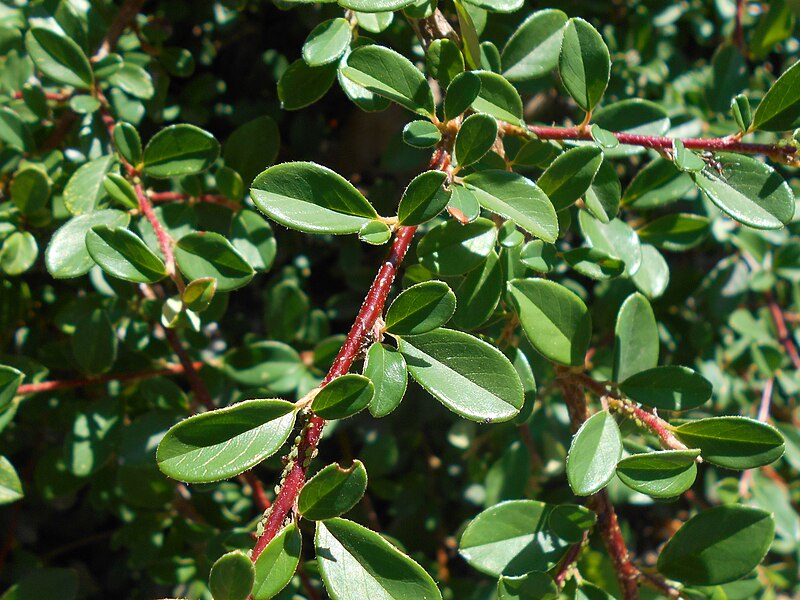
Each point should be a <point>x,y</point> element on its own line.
<point>54,96</point>
<point>209,198</point>
<point>164,239</point>
<point>569,560</point>
<point>259,495</point>
<point>66,384</point>
<point>784,336</point>
<point>786,154</point>
<point>738,29</point>
<point>371,309</point>
<point>627,573</point>
<point>126,14</point>
<point>199,388</point>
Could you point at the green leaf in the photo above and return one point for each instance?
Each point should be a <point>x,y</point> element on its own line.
<point>18,252</point>
<point>252,147</point>
<point>128,142</point>
<point>10,485</point>
<point>652,277</point>
<point>584,63</point>
<point>361,96</point>
<point>224,442</point>
<point>207,254</point>
<point>498,6</point>
<point>718,545</point>
<point>656,185</point>
<point>636,342</point>
<point>461,93</point>
<point>733,442</point>
<point>277,564</point>
<point>386,368</point>
<point>66,255</point>
<point>391,75</point>
<point>421,134</point>
<point>463,204</point>
<point>375,22</point>
<point>676,232</point>
<point>748,190</point>
<point>424,198</point>
<point>30,189</point>
<point>616,238</point>
<point>10,380</point>
<point>59,57</point>
<point>498,98</point>
<point>668,388</point>
<point>511,539</point>
<point>478,294</point>
<point>603,196</point>
<point>84,191</point>
<point>198,294</point>
<point>333,491</point>
<point>327,42</point>
<point>532,50</point>
<point>45,584</point>
<point>311,198</point>
<point>343,397</point>
<point>664,474</point>
<point>421,308</point>
<point>555,319</point>
<point>180,150</point>
<point>452,248</point>
<point>594,263</point>
<point>593,454</point>
<point>252,237</point>
<point>134,80</point>
<point>14,131</point>
<point>121,190</point>
<point>741,112</point>
<point>467,375</point>
<point>475,137</point>
<point>121,253</point>
<point>94,342</point>
<point>570,175</point>
<point>728,77</point>
<point>633,116</point>
<point>570,522</point>
<point>372,6</point>
<point>517,198</point>
<point>375,232</point>
<point>232,576</point>
<point>780,108</point>
<point>536,585</point>
<point>358,563</point>
<point>301,85</point>
<point>445,62</point>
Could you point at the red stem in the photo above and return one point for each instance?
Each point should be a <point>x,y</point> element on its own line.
<point>738,31</point>
<point>48,386</point>
<point>627,573</point>
<point>209,198</point>
<point>259,495</point>
<point>783,333</point>
<point>570,559</point>
<point>164,240</point>
<point>199,388</point>
<point>371,309</point>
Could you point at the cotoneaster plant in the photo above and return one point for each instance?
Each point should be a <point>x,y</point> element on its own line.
<point>574,373</point>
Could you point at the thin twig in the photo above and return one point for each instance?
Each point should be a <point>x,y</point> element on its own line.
<point>784,337</point>
<point>208,198</point>
<point>126,14</point>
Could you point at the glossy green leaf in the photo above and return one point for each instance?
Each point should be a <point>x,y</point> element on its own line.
<point>18,253</point>
<point>375,233</point>
<point>478,294</point>
<point>733,442</point>
<point>444,61</point>
<point>570,175</point>
<point>343,397</point>
<point>120,190</point>
<point>452,248</point>
<point>741,112</point>
<point>498,98</point>
<point>536,585</point>
<point>277,564</point>
<point>311,198</point>
<point>10,380</point>
<point>718,545</point>
<point>232,576</point>
<point>252,147</point>
<point>676,232</point>
<point>532,50</point>
<point>128,142</point>
<point>391,75</point>
<point>10,485</point>
<point>498,6</point>
<point>633,116</point>
<point>570,521</point>
<point>66,255</point>
<point>30,189</point>
<point>333,491</point>
<point>272,365</point>
<point>461,93</point>
<point>538,256</point>
<point>252,237</point>
<point>664,474</point>
<point>729,75</point>
<point>327,42</point>
<point>602,199</point>
<point>207,254</point>
<point>134,80</point>
<point>421,134</point>
<point>14,131</point>
<point>94,342</point>
<point>555,319</point>
<point>517,198</point>
<point>652,277</point>
<point>584,63</point>
<point>375,22</point>
<point>225,442</point>
<point>58,57</point>
<point>636,342</point>
<point>463,206</point>
<point>301,85</point>
<point>198,293</point>
<point>467,375</point>
<point>593,454</point>
<point>386,368</point>
<point>358,563</point>
<point>421,308</point>
<point>668,388</point>
<point>123,254</point>
<point>658,184</point>
<point>84,191</point>
<point>475,137</point>
<point>361,96</point>
<point>180,150</point>
<point>371,6</point>
<point>424,198</point>
<point>780,108</point>
<point>593,263</point>
<point>511,539</point>
<point>615,238</point>
<point>748,190</point>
